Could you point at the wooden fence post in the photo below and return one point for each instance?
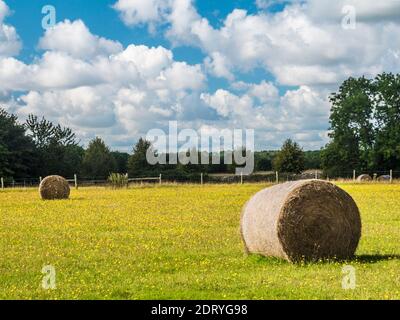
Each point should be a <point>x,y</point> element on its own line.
<point>354,175</point>
<point>2,183</point>
<point>391,176</point>
<point>160,179</point>
<point>40,180</point>
<point>241,177</point>
<point>277,177</point>
<point>201,178</point>
<point>316,174</point>
<point>76,181</point>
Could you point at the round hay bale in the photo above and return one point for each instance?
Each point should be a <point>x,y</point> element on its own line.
<point>384,178</point>
<point>54,187</point>
<point>364,177</point>
<point>302,221</point>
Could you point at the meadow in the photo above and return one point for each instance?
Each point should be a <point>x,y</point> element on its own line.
<point>179,242</point>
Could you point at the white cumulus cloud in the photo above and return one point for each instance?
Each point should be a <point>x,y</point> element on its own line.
<point>75,39</point>
<point>134,12</point>
<point>10,44</point>
<point>304,44</point>
<point>96,86</point>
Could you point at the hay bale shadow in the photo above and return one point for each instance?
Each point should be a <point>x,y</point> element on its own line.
<point>374,258</point>
<point>362,259</point>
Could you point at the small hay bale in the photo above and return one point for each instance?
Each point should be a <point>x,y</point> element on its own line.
<point>53,188</point>
<point>384,178</point>
<point>304,220</point>
<point>364,177</point>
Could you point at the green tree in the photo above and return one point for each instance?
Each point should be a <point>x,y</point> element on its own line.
<point>121,159</point>
<point>312,159</point>
<point>336,159</point>
<point>365,126</point>
<point>98,161</point>
<point>387,116</point>
<point>17,150</point>
<point>72,160</point>
<point>263,161</point>
<point>57,147</point>
<point>352,124</point>
<point>45,133</point>
<point>290,158</point>
<point>138,166</point>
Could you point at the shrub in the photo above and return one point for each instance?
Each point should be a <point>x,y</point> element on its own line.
<point>117,180</point>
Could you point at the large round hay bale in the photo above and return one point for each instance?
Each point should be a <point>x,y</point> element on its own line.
<point>364,177</point>
<point>304,220</point>
<point>54,187</point>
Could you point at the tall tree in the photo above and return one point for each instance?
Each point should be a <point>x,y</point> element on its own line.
<point>352,124</point>
<point>365,126</point>
<point>387,115</point>
<point>57,147</point>
<point>98,161</point>
<point>17,150</point>
<point>45,133</point>
<point>138,166</point>
<point>290,158</point>
<point>121,159</point>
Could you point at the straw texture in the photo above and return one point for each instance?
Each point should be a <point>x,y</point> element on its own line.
<point>303,220</point>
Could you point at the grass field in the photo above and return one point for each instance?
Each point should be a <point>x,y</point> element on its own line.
<point>179,242</point>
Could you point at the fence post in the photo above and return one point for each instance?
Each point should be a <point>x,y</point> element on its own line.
<point>40,180</point>
<point>2,183</point>
<point>277,177</point>
<point>391,176</point>
<point>76,181</point>
<point>201,178</point>
<point>241,177</point>
<point>354,175</point>
<point>127,180</point>
<point>160,179</point>
<point>316,174</point>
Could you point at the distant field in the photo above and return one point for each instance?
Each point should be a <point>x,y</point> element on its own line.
<point>179,242</point>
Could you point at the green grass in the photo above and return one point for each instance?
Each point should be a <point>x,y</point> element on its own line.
<point>179,242</point>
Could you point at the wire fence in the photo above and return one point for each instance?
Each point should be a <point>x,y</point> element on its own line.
<point>384,176</point>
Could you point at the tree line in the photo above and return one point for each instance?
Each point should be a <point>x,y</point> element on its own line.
<point>364,132</point>
<point>39,147</point>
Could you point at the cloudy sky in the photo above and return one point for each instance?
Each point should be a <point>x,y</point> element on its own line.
<point>118,68</point>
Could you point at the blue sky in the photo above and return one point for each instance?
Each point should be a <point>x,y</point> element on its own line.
<point>104,21</point>
<point>97,15</point>
<point>119,68</point>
